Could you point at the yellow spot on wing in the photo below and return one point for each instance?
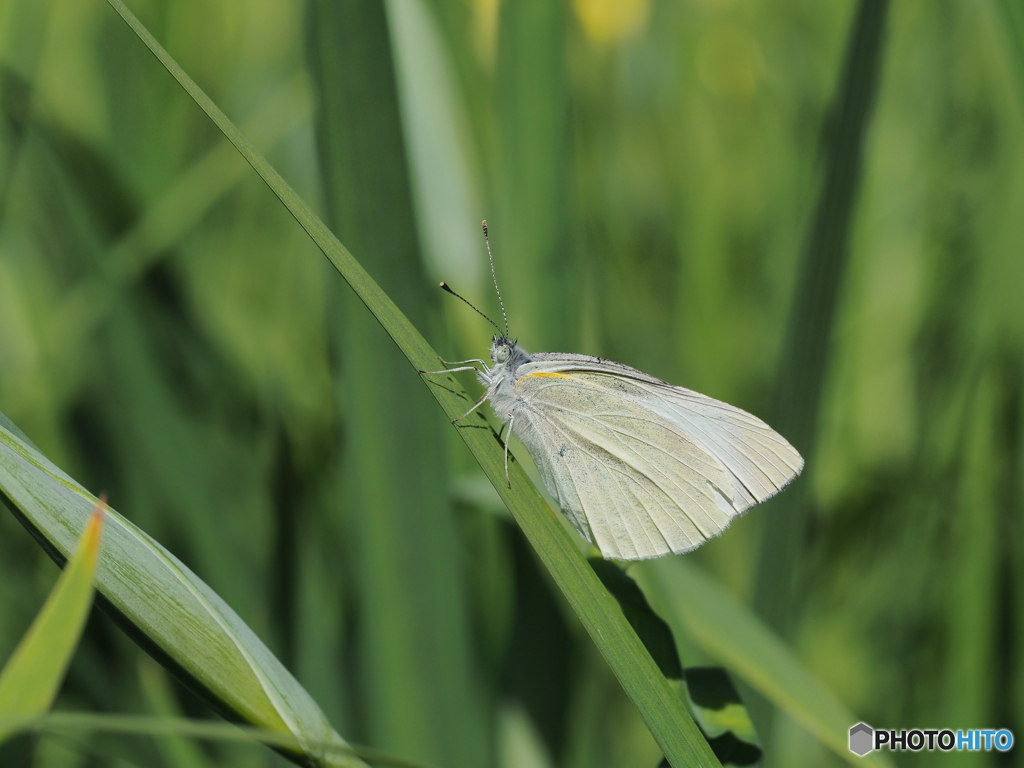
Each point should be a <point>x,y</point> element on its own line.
<point>549,375</point>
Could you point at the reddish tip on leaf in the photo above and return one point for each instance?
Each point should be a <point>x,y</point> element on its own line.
<point>91,535</point>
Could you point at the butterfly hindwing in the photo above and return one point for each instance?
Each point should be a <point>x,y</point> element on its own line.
<point>759,460</point>
<point>640,467</point>
<point>629,479</point>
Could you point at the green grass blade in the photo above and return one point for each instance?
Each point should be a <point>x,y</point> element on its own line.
<point>693,603</point>
<point>438,144</point>
<point>31,678</point>
<point>164,605</point>
<point>722,716</point>
<point>177,752</point>
<point>1013,22</point>
<point>422,698</point>
<point>805,354</point>
<point>195,191</point>
<point>532,98</point>
<point>653,696</point>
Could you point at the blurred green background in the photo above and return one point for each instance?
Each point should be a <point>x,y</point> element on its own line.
<point>699,189</point>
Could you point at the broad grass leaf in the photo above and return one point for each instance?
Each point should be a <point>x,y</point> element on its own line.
<point>165,606</point>
<point>692,603</point>
<point>31,678</point>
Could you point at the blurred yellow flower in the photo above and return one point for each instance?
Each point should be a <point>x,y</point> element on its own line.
<point>610,21</point>
<point>485,29</point>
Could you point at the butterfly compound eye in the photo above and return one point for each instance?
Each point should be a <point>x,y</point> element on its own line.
<point>502,354</point>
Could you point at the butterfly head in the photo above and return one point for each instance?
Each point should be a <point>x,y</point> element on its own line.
<point>506,353</point>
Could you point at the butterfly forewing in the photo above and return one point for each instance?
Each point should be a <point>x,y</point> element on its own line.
<point>759,460</point>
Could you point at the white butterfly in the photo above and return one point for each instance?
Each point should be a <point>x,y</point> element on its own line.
<point>641,468</point>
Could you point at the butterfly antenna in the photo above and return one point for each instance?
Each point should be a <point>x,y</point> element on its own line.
<point>494,277</point>
<point>446,287</point>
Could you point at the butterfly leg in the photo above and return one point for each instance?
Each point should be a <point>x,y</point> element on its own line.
<point>461,362</point>
<point>476,405</point>
<point>449,370</point>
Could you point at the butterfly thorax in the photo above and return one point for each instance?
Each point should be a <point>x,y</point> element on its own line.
<point>506,356</point>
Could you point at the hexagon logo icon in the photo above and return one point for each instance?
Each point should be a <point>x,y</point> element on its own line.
<point>862,739</point>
